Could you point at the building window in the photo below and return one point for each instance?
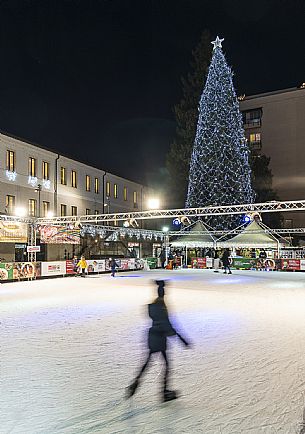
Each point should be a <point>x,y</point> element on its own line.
<point>45,208</point>
<point>63,176</point>
<point>32,167</point>
<point>88,211</point>
<point>135,197</point>
<point>73,210</point>
<point>10,161</point>
<point>255,138</point>
<point>88,183</point>
<point>63,210</point>
<point>115,191</point>
<point>10,204</point>
<point>96,212</point>
<point>45,170</point>
<point>108,188</point>
<point>32,207</point>
<point>96,185</point>
<point>125,193</point>
<point>252,118</point>
<point>73,179</point>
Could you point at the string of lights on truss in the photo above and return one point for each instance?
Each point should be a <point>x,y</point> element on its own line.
<point>112,233</point>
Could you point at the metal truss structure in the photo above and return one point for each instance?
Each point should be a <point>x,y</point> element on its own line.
<point>274,206</point>
<point>286,232</point>
<point>101,221</point>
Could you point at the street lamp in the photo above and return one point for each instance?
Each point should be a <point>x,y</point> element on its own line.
<point>165,229</point>
<point>38,190</point>
<point>153,203</point>
<point>20,212</point>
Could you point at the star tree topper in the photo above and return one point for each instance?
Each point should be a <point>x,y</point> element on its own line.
<point>217,43</point>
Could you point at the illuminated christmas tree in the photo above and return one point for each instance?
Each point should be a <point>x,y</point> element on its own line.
<point>220,172</point>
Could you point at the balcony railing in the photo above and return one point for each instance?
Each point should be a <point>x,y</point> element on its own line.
<point>256,146</point>
<point>251,123</point>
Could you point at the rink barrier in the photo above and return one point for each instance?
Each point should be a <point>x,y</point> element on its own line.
<point>241,263</point>
<point>12,271</point>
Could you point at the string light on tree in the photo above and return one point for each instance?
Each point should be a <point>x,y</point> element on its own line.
<point>220,172</point>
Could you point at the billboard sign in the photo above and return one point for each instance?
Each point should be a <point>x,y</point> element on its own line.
<point>13,232</point>
<point>59,235</point>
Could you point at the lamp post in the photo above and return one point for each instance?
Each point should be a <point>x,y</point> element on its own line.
<point>165,229</point>
<point>38,190</point>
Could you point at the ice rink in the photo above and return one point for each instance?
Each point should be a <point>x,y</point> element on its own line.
<point>70,346</point>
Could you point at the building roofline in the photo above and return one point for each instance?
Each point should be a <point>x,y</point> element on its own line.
<point>54,151</point>
<point>274,92</point>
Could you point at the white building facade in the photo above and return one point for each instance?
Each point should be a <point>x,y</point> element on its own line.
<point>37,182</point>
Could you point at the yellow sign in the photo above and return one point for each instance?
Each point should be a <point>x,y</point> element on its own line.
<point>13,232</point>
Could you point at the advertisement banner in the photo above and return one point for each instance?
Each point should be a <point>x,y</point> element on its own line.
<point>13,232</point>
<point>6,270</point>
<point>302,264</point>
<point>244,263</point>
<point>59,235</point>
<point>53,268</point>
<point>19,270</point>
<point>290,264</point>
<point>209,262</point>
<point>124,264</point>
<point>70,266</point>
<point>198,262</point>
<point>152,262</point>
<point>96,265</point>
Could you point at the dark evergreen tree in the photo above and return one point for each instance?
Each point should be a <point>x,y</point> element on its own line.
<point>262,185</point>
<point>186,113</point>
<point>220,172</point>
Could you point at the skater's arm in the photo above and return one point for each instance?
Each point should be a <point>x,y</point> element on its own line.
<point>182,339</point>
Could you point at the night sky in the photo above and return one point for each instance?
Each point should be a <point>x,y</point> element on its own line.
<point>97,80</point>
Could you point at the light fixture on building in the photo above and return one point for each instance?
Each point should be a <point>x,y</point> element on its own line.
<point>11,176</point>
<point>153,203</point>
<point>241,97</point>
<point>302,85</point>
<point>20,212</point>
<point>165,229</point>
<point>46,184</point>
<point>32,180</point>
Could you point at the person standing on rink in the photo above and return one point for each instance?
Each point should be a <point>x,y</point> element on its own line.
<point>82,264</point>
<point>112,265</point>
<point>158,333</point>
<point>226,261</point>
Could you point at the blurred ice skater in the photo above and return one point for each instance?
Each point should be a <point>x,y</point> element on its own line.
<point>160,330</point>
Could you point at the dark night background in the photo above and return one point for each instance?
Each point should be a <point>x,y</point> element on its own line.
<point>98,80</point>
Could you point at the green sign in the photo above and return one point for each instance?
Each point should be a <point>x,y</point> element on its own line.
<point>152,262</point>
<point>244,263</point>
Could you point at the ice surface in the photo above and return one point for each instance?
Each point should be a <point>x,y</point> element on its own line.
<point>70,346</point>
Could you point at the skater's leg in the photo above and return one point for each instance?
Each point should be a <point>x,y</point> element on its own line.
<point>166,372</point>
<point>168,395</point>
<point>133,387</point>
<point>144,366</point>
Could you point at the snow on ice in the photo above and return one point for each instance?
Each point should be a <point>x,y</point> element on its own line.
<point>70,346</point>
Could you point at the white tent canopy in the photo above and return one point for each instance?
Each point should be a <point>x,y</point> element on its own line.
<point>255,235</point>
<point>190,238</point>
